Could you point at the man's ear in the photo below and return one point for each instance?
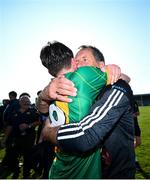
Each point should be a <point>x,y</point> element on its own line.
<point>73,64</point>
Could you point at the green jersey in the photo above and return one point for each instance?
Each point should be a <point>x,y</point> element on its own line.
<point>88,81</point>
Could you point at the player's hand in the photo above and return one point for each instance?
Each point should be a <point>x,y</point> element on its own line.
<point>114,72</point>
<point>60,88</point>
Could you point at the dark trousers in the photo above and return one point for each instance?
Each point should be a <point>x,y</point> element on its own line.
<point>25,143</point>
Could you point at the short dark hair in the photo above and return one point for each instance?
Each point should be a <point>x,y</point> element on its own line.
<point>13,94</point>
<point>24,94</point>
<point>55,56</point>
<point>96,52</point>
<point>39,92</point>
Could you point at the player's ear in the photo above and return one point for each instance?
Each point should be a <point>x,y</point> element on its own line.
<point>101,64</point>
<point>74,64</point>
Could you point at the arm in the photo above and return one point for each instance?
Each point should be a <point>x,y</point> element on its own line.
<point>137,129</point>
<point>91,131</point>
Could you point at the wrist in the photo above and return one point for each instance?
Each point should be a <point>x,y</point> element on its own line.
<point>44,95</point>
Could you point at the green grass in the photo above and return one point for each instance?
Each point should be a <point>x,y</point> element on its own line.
<point>142,152</point>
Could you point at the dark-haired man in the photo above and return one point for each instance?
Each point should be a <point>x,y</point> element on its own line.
<point>90,78</point>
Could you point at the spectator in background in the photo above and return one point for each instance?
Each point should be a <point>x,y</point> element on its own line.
<point>24,94</point>
<point>27,120</point>
<point>137,138</point>
<point>5,103</point>
<point>7,140</point>
<point>10,109</point>
<point>14,104</point>
<point>21,136</point>
<point>41,118</point>
<point>43,151</point>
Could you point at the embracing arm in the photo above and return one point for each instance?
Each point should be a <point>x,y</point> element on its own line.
<point>91,131</point>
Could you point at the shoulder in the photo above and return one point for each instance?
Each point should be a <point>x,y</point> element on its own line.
<point>85,72</point>
<point>87,69</point>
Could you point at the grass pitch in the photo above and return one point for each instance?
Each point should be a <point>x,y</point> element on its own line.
<point>142,152</point>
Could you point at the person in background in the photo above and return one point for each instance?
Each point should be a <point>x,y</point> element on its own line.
<point>10,109</point>
<point>20,136</point>
<point>13,104</point>
<point>41,119</point>
<point>25,120</point>
<point>43,152</point>
<point>137,138</point>
<point>24,94</point>
<point>5,103</point>
<point>7,140</point>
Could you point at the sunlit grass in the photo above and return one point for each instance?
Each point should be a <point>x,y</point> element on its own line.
<point>142,152</point>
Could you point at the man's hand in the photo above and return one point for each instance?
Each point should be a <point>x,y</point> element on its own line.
<point>60,88</point>
<point>114,72</point>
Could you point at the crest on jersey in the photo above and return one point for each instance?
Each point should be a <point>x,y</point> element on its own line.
<point>56,115</point>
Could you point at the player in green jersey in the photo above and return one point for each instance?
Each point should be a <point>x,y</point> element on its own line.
<point>89,81</point>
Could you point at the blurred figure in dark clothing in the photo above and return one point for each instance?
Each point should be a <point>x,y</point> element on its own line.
<point>7,115</point>
<point>41,118</point>
<point>2,109</point>
<point>43,152</point>
<point>8,139</point>
<point>24,94</point>
<point>136,113</point>
<point>21,137</point>
<point>137,138</point>
<point>13,104</point>
<point>24,123</point>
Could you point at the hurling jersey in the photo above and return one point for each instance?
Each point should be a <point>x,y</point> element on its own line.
<point>89,81</point>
